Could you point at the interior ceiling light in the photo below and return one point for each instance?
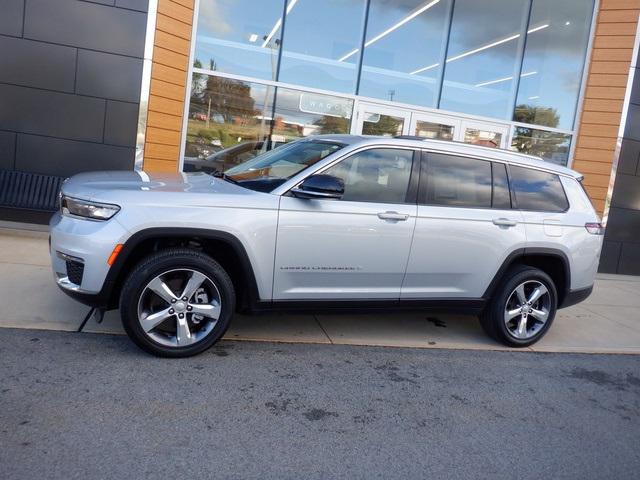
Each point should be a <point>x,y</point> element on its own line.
<point>482,48</point>
<point>505,79</point>
<point>278,24</point>
<point>393,27</point>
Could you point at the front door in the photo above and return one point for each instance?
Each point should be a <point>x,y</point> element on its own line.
<point>356,247</point>
<point>381,120</point>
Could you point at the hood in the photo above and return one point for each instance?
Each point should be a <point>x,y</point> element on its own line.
<point>142,187</point>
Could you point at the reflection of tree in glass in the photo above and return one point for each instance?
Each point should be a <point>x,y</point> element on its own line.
<point>386,125</point>
<point>549,145</point>
<point>537,115</point>
<point>331,124</point>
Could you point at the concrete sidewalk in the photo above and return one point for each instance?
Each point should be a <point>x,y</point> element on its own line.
<point>608,322</point>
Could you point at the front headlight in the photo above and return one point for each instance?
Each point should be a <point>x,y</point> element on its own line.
<point>85,208</point>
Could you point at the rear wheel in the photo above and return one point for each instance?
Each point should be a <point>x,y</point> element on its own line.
<point>522,308</point>
<point>177,303</point>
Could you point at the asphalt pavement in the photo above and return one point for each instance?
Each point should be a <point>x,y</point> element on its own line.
<point>94,406</point>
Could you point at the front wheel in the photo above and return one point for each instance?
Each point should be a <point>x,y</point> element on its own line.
<point>177,303</point>
<point>522,308</point>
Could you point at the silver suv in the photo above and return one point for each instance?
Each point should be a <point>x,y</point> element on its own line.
<point>330,222</point>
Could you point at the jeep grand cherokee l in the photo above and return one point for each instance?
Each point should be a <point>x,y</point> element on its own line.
<point>325,222</point>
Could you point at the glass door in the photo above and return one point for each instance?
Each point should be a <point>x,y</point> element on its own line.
<point>434,126</point>
<point>492,135</point>
<point>380,120</point>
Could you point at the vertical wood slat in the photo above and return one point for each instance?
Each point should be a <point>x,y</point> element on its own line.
<point>168,88</point>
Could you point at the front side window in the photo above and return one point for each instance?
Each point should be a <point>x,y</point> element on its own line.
<point>376,175</point>
<point>458,181</point>
<point>538,191</point>
<point>270,170</point>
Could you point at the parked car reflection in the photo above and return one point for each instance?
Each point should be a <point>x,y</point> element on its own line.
<point>229,157</point>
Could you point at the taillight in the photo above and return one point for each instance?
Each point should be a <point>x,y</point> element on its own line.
<point>594,228</point>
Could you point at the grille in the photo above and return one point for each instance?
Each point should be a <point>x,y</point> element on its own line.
<point>29,190</point>
<point>75,270</point>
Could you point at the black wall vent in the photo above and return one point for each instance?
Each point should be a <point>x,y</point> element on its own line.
<point>29,190</point>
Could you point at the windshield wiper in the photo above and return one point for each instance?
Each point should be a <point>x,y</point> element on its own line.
<point>224,176</point>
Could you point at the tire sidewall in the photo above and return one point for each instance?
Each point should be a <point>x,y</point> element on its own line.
<point>505,292</point>
<point>151,268</point>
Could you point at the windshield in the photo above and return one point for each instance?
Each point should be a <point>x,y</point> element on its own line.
<point>271,169</point>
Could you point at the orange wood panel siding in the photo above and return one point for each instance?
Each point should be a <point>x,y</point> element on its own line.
<point>606,85</point>
<point>167,92</point>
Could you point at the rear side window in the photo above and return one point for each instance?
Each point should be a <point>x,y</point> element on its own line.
<point>458,181</point>
<point>538,191</point>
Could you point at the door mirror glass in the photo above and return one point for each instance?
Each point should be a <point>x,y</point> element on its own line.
<point>320,186</point>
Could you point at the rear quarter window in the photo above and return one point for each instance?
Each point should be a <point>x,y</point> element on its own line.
<point>537,191</point>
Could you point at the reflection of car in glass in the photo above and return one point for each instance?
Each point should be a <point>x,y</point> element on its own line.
<point>229,157</point>
<point>333,221</point>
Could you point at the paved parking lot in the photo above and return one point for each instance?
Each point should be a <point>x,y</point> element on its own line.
<point>82,406</point>
<point>608,322</point>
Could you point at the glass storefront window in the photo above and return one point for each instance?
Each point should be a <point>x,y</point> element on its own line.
<point>438,131</point>
<point>239,36</point>
<point>299,114</point>
<point>482,57</point>
<point>551,146</point>
<point>380,124</point>
<point>318,35</point>
<point>403,50</point>
<point>229,122</point>
<point>556,53</point>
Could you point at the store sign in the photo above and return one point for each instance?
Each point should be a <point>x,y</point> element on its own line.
<point>324,105</point>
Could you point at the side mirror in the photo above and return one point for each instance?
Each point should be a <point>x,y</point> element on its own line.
<point>320,186</point>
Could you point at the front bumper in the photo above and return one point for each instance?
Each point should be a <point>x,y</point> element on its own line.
<point>79,252</point>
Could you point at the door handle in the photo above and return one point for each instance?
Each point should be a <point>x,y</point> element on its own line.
<point>504,222</point>
<point>393,216</point>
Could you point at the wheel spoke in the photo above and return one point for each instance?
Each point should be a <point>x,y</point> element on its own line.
<point>161,289</point>
<point>153,320</point>
<point>183,334</point>
<point>193,284</point>
<point>520,293</point>
<point>522,327</point>
<point>510,314</point>
<point>539,315</point>
<point>206,310</point>
<point>537,293</point>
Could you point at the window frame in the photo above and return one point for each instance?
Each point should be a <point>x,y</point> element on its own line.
<point>514,196</point>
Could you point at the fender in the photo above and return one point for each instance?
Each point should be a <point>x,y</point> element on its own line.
<point>104,299</point>
<point>522,252</point>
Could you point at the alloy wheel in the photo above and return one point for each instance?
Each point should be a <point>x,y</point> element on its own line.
<point>527,309</point>
<point>179,307</point>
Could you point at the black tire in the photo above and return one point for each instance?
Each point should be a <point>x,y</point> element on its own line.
<point>157,264</point>
<point>492,318</point>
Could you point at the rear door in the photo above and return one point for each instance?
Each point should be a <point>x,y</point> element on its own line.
<point>465,227</point>
<point>356,247</point>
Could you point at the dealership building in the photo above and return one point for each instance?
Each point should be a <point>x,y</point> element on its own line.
<point>159,85</point>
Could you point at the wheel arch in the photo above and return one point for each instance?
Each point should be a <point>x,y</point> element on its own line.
<point>222,246</point>
<point>553,262</point>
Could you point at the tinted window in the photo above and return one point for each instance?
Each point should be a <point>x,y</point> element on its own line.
<point>458,181</point>
<point>377,175</point>
<point>501,197</point>
<point>537,190</point>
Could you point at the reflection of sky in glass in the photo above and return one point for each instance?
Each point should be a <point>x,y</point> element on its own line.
<point>557,54</point>
<point>232,34</point>
<point>317,35</point>
<point>481,82</point>
<point>391,59</point>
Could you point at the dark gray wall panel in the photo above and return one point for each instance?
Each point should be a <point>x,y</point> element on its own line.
<point>51,113</point>
<point>632,128</point>
<point>629,154</point>
<point>11,17</point>
<point>66,157</point>
<point>108,75</point>
<point>629,259</point>
<point>623,225</point>
<point>121,123</point>
<point>626,193</point>
<point>609,257</point>
<point>7,150</point>
<point>86,25</point>
<point>141,5</point>
<point>37,64</point>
